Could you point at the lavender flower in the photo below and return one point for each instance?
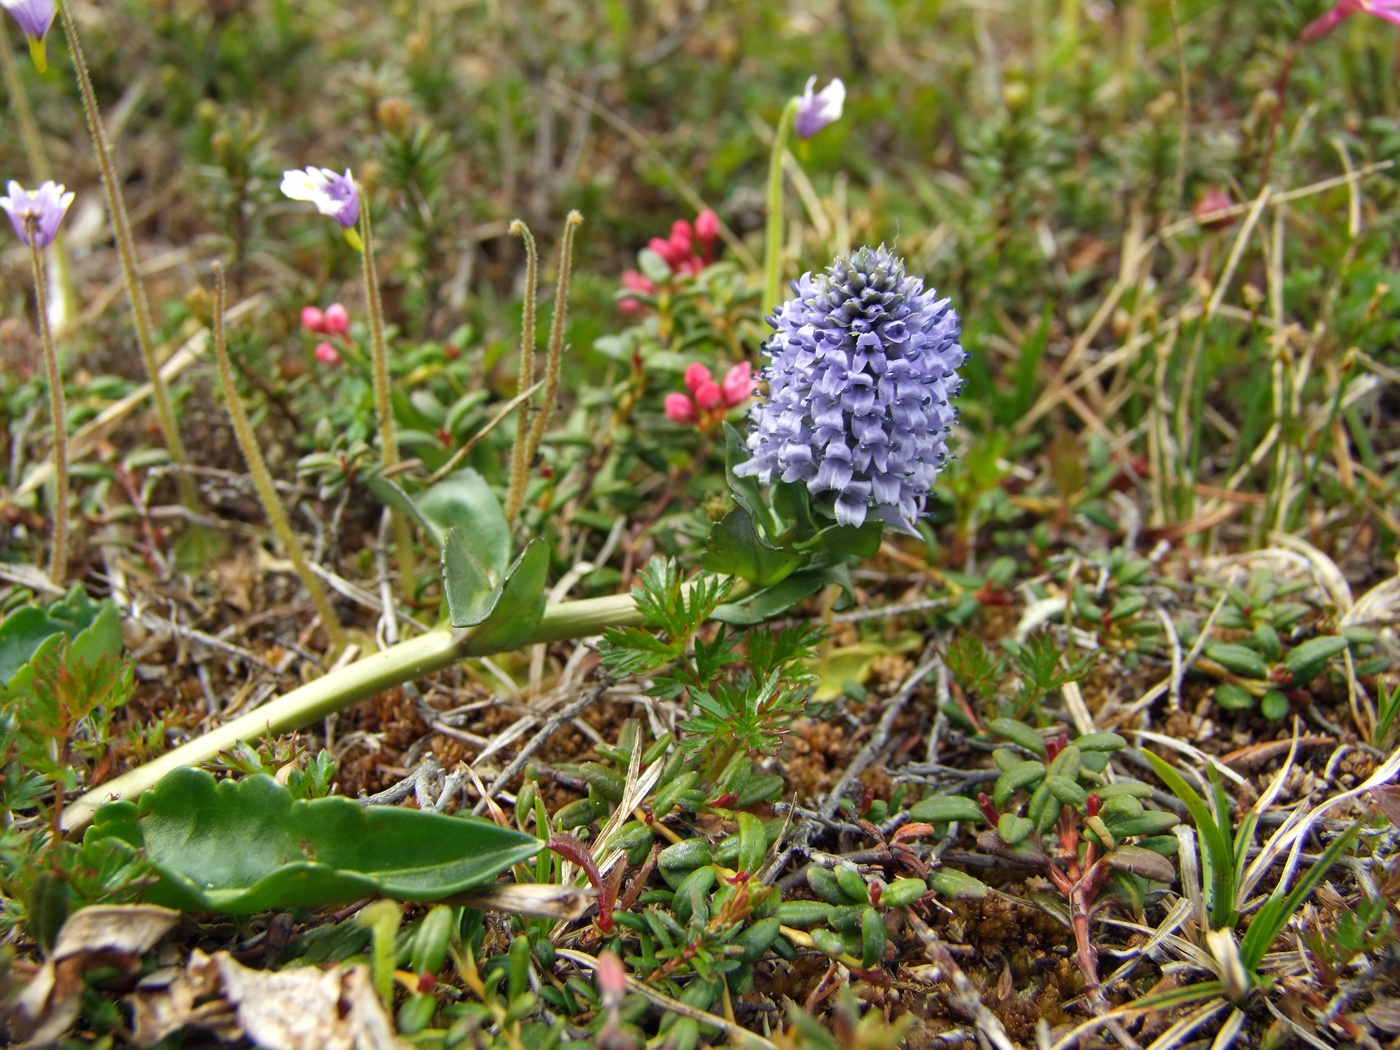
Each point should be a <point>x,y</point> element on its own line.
<point>334,195</point>
<point>815,112</point>
<point>34,18</point>
<point>46,206</point>
<point>863,365</point>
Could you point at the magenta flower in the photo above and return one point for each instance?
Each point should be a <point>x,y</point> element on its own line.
<point>327,354</point>
<point>815,112</point>
<point>46,206</point>
<point>34,18</point>
<point>679,408</point>
<point>1387,9</point>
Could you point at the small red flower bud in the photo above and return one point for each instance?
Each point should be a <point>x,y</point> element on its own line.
<point>312,319</point>
<point>988,810</point>
<point>707,226</point>
<point>1093,804</point>
<point>738,383</point>
<point>680,409</point>
<point>1213,201</point>
<point>696,376</point>
<point>337,319</point>
<point>327,354</point>
<point>709,396</point>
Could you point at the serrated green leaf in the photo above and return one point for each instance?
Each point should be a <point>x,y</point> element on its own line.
<point>94,630</point>
<point>245,846</point>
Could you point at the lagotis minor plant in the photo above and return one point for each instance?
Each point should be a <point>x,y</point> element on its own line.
<point>863,366</point>
<point>34,18</point>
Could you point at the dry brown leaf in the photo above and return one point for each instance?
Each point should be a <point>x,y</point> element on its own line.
<point>297,1009</point>
<point>105,935</point>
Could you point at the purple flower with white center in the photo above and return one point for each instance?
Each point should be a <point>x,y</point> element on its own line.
<point>815,112</point>
<point>46,206</point>
<point>862,368</point>
<point>334,195</point>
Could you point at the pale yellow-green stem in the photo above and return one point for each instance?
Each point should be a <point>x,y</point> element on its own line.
<point>126,249</point>
<point>262,478</point>
<point>415,658</point>
<point>773,239</point>
<point>383,404</point>
<point>519,460</point>
<point>58,562</point>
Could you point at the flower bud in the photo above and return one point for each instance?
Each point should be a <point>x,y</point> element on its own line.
<point>738,383</point>
<point>680,409</point>
<point>707,226</point>
<point>312,319</point>
<point>327,355</point>
<point>1213,201</point>
<point>337,319</point>
<point>708,396</point>
<point>696,375</point>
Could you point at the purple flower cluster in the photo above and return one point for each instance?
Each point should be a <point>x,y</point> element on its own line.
<point>862,368</point>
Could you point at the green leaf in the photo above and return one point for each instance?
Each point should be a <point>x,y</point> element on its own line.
<point>1018,733</point>
<point>1305,661</point>
<point>1219,856</point>
<point>390,494</point>
<point>245,846</point>
<point>518,612</point>
<point>1238,659</point>
<point>745,490</point>
<point>944,809</point>
<point>30,631</point>
<point>470,588</point>
<point>1232,697</point>
<point>782,596</point>
<point>1274,705</point>
<point>1024,774</point>
<point>735,548</point>
<point>464,500</point>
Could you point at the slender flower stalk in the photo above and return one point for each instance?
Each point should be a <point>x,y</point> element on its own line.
<point>806,114</point>
<point>126,249</point>
<point>383,405</point>
<point>38,160</point>
<point>262,479</point>
<point>556,336</point>
<point>35,216</point>
<point>519,461</point>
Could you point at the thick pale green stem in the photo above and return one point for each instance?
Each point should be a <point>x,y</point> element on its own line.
<point>773,241</point>
<point>262,479</point>
<point>126,249</point>
<point>58,563</point>
<point>401,663</point>
<point>383,405</point>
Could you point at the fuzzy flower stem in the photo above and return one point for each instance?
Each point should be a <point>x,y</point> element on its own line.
<point>556,336</point>
<point>262,479</point>
<point>519,457</point>
<point>773,240</point>
<point>383,406</point>
<point>58,563</point>
<point>126,248</point>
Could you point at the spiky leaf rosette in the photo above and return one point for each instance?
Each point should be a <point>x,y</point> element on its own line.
<point>862,368</point>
